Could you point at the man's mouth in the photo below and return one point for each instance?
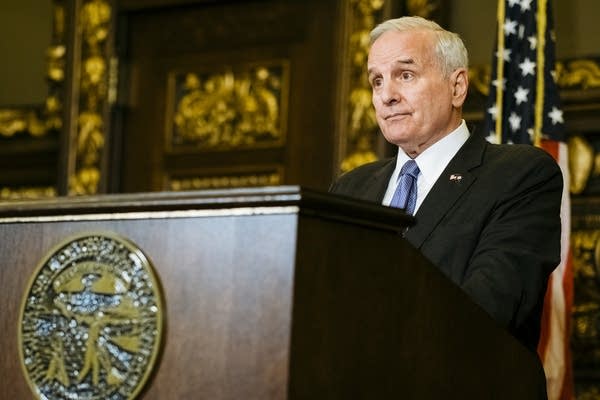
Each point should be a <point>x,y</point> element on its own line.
<point>397,115</point>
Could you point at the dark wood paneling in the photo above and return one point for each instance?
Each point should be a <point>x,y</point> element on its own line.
<point>27,161</point>
<point>210,36</point>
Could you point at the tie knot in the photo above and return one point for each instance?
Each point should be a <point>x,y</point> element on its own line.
<point>411,168</point>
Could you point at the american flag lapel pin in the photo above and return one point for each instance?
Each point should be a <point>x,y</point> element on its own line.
<point>455,178</point>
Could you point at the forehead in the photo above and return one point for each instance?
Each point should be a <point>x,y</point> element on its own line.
<point>410,47</point>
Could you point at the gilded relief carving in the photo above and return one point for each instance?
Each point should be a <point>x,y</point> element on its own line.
<point>13,121</point>
<point>93,26</point>
<point>56,55</point>
<point>422,8</point>
<point>242,109</point>
<point>578,73</point>
<point>586,311</point>
<point>47,118</point>
<point>24,193</point>
<point>227,181</point>
<point>582,160</point>
<point>38,122</point>
<point>584,163</point>
<point>362,125</point>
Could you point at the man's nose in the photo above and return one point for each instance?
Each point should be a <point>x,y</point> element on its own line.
<point>390,93</point>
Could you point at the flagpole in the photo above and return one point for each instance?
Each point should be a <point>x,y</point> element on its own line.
<point>539,97</point>
<point>500,70</point>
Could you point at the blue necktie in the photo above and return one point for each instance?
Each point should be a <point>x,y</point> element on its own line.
<point>406,193</point>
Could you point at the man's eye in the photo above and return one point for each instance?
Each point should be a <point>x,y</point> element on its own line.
<point>376,82</point>
<point>406,76</point>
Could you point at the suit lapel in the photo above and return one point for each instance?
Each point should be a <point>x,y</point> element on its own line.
<point>378,182</point>
<point>452,183</point>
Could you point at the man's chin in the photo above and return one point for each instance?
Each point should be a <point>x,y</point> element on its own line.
<point>397,138</point>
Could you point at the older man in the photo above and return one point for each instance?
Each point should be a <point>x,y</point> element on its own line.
<point>488,216</point>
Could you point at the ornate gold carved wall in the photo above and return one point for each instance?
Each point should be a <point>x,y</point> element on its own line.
<point>257,177</point>
<point>246,108</point>
<point>361,128</point>
<point>88,130</point>
<point>39,124</point>
<point>585,336</point>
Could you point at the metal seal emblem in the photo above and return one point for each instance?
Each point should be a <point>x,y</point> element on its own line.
<point>91,320</point>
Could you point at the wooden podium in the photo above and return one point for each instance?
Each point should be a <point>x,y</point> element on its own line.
<point>278,293</point>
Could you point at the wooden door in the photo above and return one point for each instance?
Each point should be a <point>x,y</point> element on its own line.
<point>226,94</point>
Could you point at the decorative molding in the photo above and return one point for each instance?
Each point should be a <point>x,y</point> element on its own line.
<point>39,121</point>
<point>580,73</point>
<point>422,8</point>
<point>27,193</point>
<point>245,108</point>
<point>92,28</point>
<point>569,74</point>
<point>361,131</point>
<point>585,338</point>
<point>272,177</point>
<point>21,120</point>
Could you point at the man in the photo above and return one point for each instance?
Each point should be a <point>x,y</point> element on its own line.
<point>487,215</point>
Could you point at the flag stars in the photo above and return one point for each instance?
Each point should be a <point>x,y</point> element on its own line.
<point>515,122</point>
<point>521,95</point>
<point>505,54</point>
<point>510,27</point>
<point>525,5</point>
<point>532,42</point>
<point>497,83</point>
<point>492,138</point>
<point>493,112</point>
<point>527,67</point>
<point>556,116</point>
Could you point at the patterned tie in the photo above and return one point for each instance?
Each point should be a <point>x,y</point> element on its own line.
<point>406,193</point>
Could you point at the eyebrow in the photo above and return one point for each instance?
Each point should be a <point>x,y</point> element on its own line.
<point>403,61</point>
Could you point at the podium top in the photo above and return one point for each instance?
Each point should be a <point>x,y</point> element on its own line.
<point>294,199</point>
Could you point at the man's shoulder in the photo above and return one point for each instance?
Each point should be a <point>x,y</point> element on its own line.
<point>367,170</point>
<point>357,181</point>
<point>519,154</point>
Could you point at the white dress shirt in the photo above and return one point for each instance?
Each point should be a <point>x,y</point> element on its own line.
<point>431,162</point>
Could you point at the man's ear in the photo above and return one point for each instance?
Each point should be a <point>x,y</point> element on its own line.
<point>459,79</point>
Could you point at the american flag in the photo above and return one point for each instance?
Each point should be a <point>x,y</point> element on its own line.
<point>523,107</point>
<point>522,69</point>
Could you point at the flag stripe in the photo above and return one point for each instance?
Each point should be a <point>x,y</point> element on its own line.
<point>554,344</point>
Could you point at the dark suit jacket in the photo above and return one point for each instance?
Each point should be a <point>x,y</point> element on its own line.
<point>495,231</point>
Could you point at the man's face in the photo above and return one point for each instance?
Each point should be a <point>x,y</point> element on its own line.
<point>415,104</point>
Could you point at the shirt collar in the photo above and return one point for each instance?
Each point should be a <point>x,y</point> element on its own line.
<point>436,157</point>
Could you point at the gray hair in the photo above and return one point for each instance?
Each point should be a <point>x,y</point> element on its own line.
<point>450,50</point>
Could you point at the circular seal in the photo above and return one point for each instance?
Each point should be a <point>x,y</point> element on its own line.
<point>91,320</point>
